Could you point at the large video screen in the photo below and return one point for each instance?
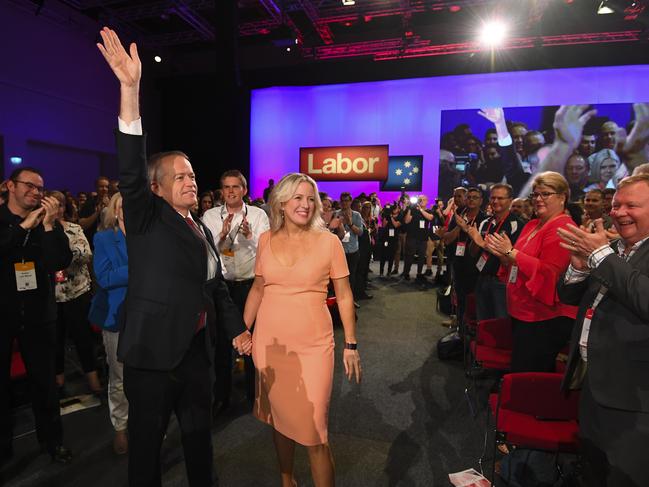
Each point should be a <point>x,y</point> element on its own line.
<point>470,154</point>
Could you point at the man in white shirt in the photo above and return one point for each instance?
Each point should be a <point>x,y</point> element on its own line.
<point>236,228</point>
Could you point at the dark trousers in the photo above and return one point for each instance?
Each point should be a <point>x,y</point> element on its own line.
<point>37,345</point>
<point>490,298</point>
<point>352,264</point>
<point>418,247</point>
<point>536,344</point>
<point>364,257</point>
<point>386,249</point>
<point>223,357</point>
<point>72,321</point>
<point>613,443</point>
<point>152,396</point>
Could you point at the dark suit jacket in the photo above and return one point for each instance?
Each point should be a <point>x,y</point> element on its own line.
<point>618,342</point>
<point>50,252</point>
<point>167,288</point>
<point>110,262</point>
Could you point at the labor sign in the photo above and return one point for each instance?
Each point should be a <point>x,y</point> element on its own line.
<point>347,163</point>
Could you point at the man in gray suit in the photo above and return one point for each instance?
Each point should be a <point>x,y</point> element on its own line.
<point>609,355</point>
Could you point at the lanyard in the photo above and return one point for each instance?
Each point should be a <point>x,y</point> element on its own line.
<point>499,225</point>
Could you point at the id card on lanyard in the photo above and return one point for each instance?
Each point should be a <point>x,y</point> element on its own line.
<point>588,318</point>
<point>460,249</point>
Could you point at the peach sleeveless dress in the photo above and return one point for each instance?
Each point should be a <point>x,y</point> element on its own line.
<point>293,342</point>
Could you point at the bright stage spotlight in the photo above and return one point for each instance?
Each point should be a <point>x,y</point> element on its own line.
<point>493,33</point>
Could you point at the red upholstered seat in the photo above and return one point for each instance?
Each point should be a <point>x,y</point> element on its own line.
<point>532,412</point>
<point>491,358</point>
<point>331,301</point>
<point>17,365</point>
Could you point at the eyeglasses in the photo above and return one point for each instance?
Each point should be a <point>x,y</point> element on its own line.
<point>473,197</point>
<point>543,194</point>
<point>31,186</point>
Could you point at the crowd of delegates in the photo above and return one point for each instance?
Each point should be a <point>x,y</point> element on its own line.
<point>560,263</point>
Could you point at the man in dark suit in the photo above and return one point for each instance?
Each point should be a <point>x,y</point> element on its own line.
<point>609,355</point>
<point>176,294</point>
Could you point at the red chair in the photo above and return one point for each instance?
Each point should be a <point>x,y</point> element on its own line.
<point>490,350</point>
<point>18,370</point>
<point>531,412</point>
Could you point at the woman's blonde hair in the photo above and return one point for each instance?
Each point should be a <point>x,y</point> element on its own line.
<point>555,181</point>
<point>284,191</point>
<point>109,221</point>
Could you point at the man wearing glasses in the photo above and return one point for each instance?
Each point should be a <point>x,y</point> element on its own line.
<point>490,291</point>
<point>33,247</point>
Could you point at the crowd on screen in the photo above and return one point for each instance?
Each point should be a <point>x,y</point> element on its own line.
<point>551,236</point>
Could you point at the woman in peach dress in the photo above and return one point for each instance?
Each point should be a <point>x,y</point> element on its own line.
<point>293,342</point>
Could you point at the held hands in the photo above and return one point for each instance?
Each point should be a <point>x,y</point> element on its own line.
<point>352,363</point>
<point>569,122</point>
<point>243,343</point>
<point>127,68</point>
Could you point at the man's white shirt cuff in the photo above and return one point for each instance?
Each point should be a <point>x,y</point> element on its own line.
<point>133,128</point>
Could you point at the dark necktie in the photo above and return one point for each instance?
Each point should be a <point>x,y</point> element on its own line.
<point>192,224</point>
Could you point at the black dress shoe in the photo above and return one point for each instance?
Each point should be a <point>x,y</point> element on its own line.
<point>61,454</point>
<point>406,277</point>
<point>429,272</point>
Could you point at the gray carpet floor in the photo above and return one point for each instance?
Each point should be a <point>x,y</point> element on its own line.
<point>407,423</point>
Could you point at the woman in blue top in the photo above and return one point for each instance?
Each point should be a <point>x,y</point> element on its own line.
<point>111,271</point>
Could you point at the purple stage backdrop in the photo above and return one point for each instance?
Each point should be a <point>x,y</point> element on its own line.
<point>405,114</point>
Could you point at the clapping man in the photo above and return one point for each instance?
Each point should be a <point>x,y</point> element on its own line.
<point>33,248</point>
<point>237,227</point>
<point>610,342</point>
<point>176,294</point>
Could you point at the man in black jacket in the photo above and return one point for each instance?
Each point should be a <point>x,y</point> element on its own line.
<point>176,294</point>
<point>609,353</point>
<point>32,248</point>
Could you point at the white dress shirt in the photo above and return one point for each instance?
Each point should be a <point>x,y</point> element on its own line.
<point>237,252</point>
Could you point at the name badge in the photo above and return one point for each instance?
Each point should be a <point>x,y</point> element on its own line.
<point>391,232</point>
<point>484,257</point>
<point>25,276</point>
<point>585,330</point>
<point>422,224</point>
<point>346,237</point>
<point>227,253</point>
<point>460,249</point>
<point>513,274</point>
<point>385,244</point>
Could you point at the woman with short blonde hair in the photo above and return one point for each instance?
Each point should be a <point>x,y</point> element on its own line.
<point>293,342</point>
<point>283,191</point>
<point>541,324</point>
